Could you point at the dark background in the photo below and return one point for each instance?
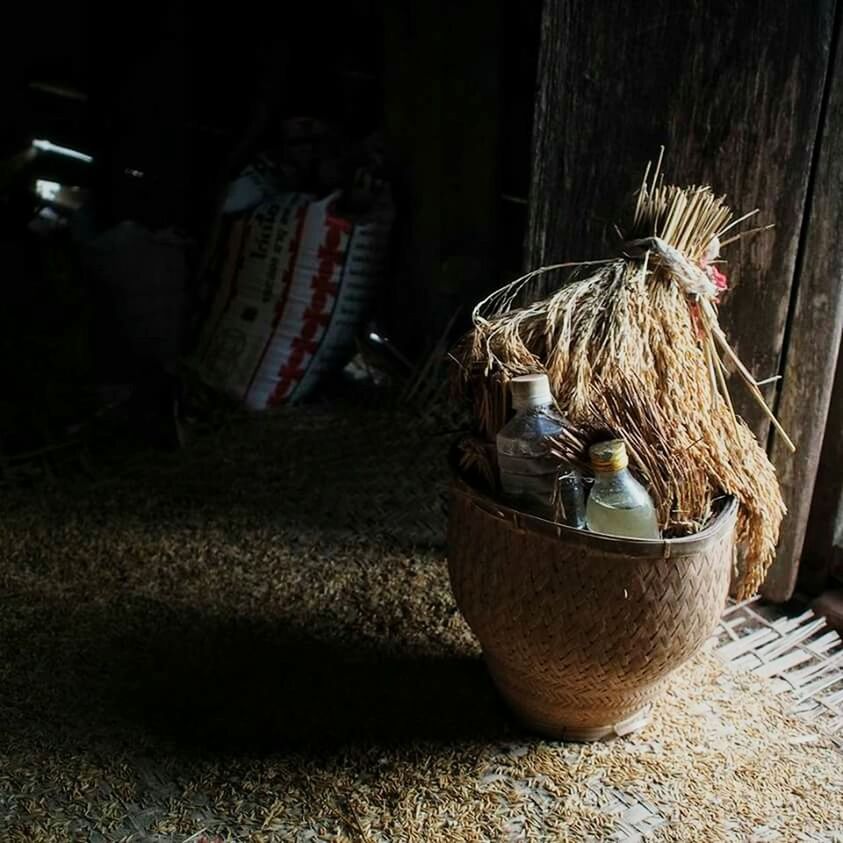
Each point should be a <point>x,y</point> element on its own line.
<point>187,94</point>
<point>747,95</point>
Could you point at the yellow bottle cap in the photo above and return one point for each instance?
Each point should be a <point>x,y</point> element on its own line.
<point>609,456</point>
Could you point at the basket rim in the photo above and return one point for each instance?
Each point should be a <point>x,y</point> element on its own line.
<point>723,522</point>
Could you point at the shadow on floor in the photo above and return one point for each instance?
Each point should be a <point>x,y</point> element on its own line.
<point>253,686</point>
<point>239,685</point>
<point>380,473</point>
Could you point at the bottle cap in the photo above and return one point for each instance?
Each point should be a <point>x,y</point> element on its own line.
<point>609,456</point>
<point>530,391</point>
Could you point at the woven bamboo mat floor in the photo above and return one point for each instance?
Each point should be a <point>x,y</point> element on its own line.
<point>255,641</point>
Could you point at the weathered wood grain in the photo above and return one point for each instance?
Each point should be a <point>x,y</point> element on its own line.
<point>822,553</point>
<point>733,90</point>
<point>813,341</point>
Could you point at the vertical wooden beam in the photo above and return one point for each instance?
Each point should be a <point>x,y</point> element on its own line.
<point>813,340</point>
<point>822,554</point>
<point>442,120</point>
<point>413,105</point>
<point>471,96</point>
<point>733,90</point>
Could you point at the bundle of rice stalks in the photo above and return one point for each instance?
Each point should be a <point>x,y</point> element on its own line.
<point>632,348</point>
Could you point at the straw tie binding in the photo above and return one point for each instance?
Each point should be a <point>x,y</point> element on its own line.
<point>692,278</point>
<point>702,283</point>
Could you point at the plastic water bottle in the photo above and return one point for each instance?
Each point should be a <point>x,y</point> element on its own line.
<point>532,478</point>
<point>618,504</point>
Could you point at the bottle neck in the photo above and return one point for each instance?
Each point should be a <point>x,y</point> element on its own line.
<point>608,474</point>
<point>531,408</point>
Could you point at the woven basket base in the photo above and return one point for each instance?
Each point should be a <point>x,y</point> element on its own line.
<point>560,731</point>
<point>572,718</point>
<point>584,734</point>
<point>603,733</point>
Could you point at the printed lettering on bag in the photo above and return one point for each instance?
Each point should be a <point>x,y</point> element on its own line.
<point>331,255</point>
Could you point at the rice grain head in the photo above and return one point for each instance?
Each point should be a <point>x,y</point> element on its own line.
<point>626,353</point>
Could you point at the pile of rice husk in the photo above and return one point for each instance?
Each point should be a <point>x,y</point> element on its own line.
<point>632,348</point>
<point>186,656</point>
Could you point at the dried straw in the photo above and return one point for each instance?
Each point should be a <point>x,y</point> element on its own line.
<point>632,349</point>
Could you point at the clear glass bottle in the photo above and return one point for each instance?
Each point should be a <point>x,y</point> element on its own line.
<point>532,479</point>
<point>618,504</point>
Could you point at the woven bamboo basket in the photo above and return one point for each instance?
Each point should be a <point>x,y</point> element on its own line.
<point>580,630</point>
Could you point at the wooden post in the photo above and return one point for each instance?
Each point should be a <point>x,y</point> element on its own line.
<point>442,120</point>
<point>734,91</point>
<point>810,358</point>
<point>822,555</point>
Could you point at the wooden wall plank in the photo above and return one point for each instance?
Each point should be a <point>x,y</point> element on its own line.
<point>733,91</point>
<point>442,92</point>
<point>809,399</point>
<point>811,357</point>
<point>823,549</point>
<point>413,95</point>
